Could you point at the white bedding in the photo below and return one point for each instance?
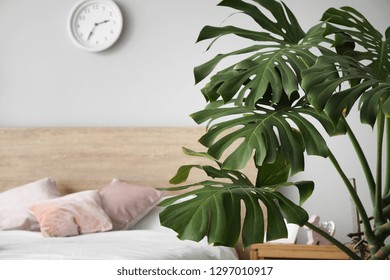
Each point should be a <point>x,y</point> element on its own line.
<point>128,244</point>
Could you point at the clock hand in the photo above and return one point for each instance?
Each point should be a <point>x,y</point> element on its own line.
<point>94,26</point>
<point>104,21</point>
<point>90,33</point>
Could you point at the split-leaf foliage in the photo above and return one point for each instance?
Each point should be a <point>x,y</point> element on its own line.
<point>272,107</point>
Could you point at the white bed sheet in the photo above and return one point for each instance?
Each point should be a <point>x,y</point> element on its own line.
<point>115,245</point>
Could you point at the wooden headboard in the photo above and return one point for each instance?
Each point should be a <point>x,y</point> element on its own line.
<point>89,158</point>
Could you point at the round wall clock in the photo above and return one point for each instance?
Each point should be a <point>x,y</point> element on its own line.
<point>95,25</point>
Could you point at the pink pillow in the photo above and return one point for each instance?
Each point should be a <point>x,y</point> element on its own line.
<point>72,214</point>
<point>127,203</point>
<point>15,204</point>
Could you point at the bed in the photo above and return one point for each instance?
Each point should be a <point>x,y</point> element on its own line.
<point>85,160</point>
<point>111,245</point>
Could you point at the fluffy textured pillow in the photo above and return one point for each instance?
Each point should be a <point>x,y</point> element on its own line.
<point>15,204</point>
<point>127,203</point>
<point>73,214</point>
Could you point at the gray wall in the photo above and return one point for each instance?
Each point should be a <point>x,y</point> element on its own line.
<point>146,78</point>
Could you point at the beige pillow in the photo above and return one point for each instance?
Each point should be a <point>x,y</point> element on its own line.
<point>73,214</point>
<point>127,203</point>
<point>15,204</point>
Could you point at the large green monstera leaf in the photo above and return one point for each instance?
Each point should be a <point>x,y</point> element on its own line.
<point>282,51</point>
<point>366,70</point>
<point>265,130</point>
<point>214,209</point>
<point>258,100</point>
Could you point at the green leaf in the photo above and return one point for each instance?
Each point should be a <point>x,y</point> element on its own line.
<point>215,210</point>
<point>253,228</point>
<point>264,132</point>
<point>277,65</point>
<point>306,189</point>
<point>285,26</point>
<point>325,91</point>
<point>275,219</point>
<point>344,43</point>
<point>202,71</point>
<point>366,68</point>
<point>190,152</point>
<point>209,32</point>
<point>293,213</point>
<point>239,157</point>
<point>275,173</point>
<point>183,173</point>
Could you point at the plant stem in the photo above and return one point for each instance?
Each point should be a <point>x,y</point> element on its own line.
<point>382,253</point>
<point>378,207</point>
<point>334,241</point>
<point>359,205</point>
<point>386,211</point>
<point>387,183</point>
<point>362,159</point>
<point>382,232</point>
<point>386,200</point>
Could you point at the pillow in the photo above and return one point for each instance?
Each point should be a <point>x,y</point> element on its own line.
<point>152,220</point>
<point>73,214</point>
<point>15,204</point>
<point>127,203</point>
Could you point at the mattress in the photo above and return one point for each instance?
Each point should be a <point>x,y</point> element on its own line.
<point>114,245</point>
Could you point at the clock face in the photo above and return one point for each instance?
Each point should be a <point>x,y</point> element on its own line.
<point>95,25</point>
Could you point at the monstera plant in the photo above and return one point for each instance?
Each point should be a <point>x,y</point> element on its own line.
<point>269,109</point>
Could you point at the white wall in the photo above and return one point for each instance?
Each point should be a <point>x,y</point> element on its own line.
<point>146,78</point>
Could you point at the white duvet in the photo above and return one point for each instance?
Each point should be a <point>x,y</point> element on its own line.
<point>115,245</point>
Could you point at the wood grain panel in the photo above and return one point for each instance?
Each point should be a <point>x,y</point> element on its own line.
<point>89,158</point>
<point>296,251</point>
